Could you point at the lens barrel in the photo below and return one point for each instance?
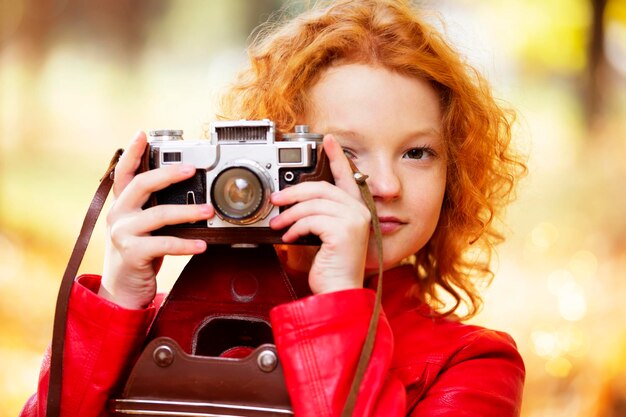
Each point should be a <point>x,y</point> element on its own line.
<point>240,193</point>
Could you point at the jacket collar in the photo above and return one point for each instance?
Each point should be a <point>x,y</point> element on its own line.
<point>399,284</point>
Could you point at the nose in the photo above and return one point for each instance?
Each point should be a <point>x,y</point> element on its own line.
<point>383,181</point>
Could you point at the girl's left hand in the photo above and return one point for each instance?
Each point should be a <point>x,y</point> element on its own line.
<point>337,215</point>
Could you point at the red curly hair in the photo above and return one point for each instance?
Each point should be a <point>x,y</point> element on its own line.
<point>287,59</point>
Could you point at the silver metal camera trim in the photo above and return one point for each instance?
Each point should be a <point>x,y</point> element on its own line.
<point>270,135</point>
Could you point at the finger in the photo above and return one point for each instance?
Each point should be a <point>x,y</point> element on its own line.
<point>310,190</point>
<point>170,245</point>
<point>305,226</point>
<point>129,162</point>
<point>159,216</point>
<point>154,247</point>
<point>320,207</point>
<point>304,209</point>
<point>137,191</point>
<point>326,228</point>
<point>340,167</point>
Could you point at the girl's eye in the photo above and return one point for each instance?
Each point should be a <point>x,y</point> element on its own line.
<point>419,153</point>
<point>349,154</point>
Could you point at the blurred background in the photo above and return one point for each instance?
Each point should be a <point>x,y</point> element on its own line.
<point>79,78</point>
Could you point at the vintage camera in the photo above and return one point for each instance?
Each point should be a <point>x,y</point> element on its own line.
<point>236,171</point>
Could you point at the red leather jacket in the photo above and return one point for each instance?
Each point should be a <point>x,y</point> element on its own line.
<point>421,365</point>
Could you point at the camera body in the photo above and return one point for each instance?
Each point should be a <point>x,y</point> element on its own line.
<point>237,169</point>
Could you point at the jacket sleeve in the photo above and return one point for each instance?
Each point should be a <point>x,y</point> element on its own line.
<point>319,340</point>
<point>485,378</point>
<point>100,338</point>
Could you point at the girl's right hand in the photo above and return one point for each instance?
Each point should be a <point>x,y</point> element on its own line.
<point>133,256</point>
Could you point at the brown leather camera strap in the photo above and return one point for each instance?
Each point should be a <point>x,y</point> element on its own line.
<point>53,406</point>
<point>370,338</point>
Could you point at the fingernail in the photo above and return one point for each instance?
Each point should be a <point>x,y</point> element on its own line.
<point>275,195</point>
<point>206,209</point>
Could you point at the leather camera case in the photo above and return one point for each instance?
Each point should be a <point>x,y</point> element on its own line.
<point>218,308</point>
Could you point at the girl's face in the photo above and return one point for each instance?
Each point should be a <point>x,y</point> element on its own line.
<point>390,126</point>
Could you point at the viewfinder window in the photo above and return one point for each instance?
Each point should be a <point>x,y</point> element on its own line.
<point>172,157</point>
<point>290,155</point>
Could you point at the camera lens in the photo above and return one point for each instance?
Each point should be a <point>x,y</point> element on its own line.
<point>240,195</point>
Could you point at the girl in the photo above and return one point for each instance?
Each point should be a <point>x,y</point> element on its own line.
<point>391,95</point>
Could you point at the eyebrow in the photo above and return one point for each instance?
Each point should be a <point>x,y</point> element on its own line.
<point>417,134</point>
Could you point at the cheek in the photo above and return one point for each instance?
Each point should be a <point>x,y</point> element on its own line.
<point>427,212</point>
<point>426,197</point>
<point>426,205</point>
